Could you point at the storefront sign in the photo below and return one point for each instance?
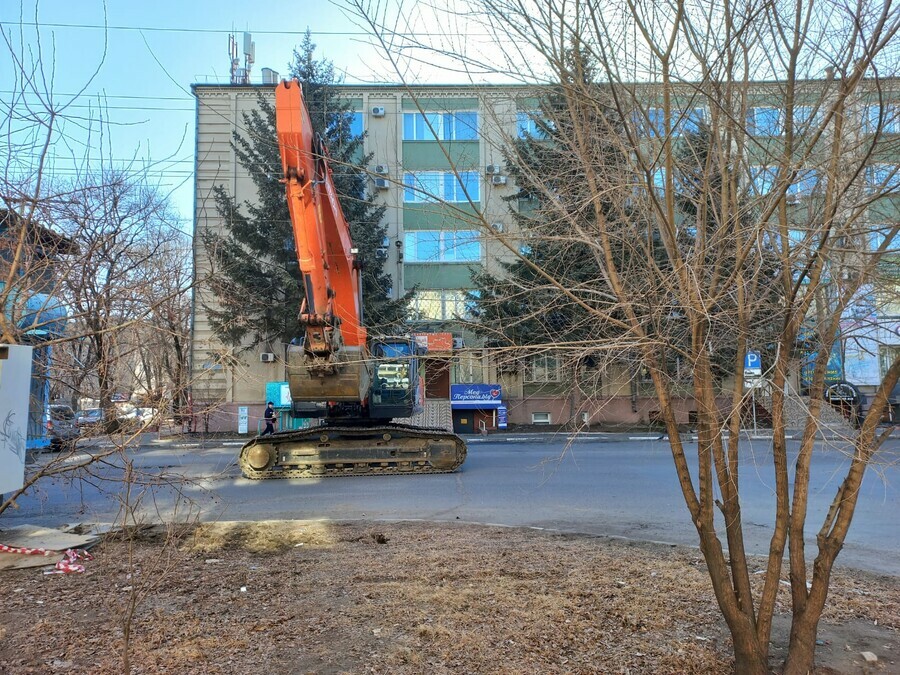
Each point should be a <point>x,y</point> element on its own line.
<point>435,342</point>
<point>475,396</point>
<point>279,393</point>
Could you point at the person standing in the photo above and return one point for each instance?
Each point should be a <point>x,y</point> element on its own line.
<point>269,417</point>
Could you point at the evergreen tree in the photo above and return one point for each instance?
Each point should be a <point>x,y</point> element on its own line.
<point>255,276</point>
<point>557,221</point>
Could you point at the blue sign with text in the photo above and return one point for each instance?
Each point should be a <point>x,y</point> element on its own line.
<point>475,396</point>
<point>752,364</point>
<point>501,417</point>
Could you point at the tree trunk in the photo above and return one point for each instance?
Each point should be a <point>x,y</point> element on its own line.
<point>749,659</point>
<point>802,647</point>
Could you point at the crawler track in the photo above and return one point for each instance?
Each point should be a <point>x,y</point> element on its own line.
<point>329,451</point>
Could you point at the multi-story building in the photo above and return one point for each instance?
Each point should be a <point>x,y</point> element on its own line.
<point>438,166</point>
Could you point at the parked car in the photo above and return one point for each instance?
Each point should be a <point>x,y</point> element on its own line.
<point>86,420</point>
<point>61,427</point>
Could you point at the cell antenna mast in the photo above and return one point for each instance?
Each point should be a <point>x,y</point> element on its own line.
<point>239,74</point>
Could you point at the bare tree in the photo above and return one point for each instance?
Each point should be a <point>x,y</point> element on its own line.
<point>726,172</point>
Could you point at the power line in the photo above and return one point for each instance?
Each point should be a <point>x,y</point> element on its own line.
<point>224,31</point>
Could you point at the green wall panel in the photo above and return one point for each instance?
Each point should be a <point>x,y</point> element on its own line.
<point>447,275</point>
<point>428,155</point>
<point>440,217</point>
<point>441,104</point>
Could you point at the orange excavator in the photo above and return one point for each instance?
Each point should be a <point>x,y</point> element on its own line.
<point>354,385</point>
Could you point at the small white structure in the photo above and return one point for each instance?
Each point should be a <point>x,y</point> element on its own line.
<point>15,385</point>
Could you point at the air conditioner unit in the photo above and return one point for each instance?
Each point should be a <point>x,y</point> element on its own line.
<point>378,111</point>
<point>383,169</point>
<point>498,180</point>
<point>267,357</point>
<point>497,227</point>
<point>382,183</point>
<point>492,169</point>
<point>458,343</point>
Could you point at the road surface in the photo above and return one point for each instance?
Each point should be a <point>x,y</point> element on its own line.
<point>595,486</point>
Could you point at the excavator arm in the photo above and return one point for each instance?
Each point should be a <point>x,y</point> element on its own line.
<point>330,363</point>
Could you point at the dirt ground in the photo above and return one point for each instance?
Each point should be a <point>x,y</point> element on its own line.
<point>319,597</point>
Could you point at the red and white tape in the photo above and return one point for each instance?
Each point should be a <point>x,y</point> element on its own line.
<point>67,565</point>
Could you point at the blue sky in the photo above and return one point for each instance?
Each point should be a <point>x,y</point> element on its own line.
<point>154,51</point>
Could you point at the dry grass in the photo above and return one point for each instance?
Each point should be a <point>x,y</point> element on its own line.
<point>400,598</point>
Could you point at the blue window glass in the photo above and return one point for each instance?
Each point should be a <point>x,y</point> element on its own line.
<point>762,179</point>
<point>659,180</point>
<point>877,236</point>
<point>442,246</point>
<point>764,121</point>
<point>655,124</point>
<point>409,126</point>
<point>524,125</point>
<point>885,118</point>
<point>796,237</point>
<point>804,183</point>
<point>422,245</point>
<point>805,116</point>
<point>883,177</point>
<point>431,186</point>
<point>356,124</point>
<point>464,126</point>
<point>462,246</point>
<point>688,121</point>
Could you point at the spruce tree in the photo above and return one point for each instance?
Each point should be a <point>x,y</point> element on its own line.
<point>556,216</point>
<point>255,276</point>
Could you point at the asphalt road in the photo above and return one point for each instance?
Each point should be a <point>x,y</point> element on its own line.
<point>623,489</point>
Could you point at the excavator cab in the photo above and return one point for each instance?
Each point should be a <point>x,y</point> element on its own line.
<point>396,389</point>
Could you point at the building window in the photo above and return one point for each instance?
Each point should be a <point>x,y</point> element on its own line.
<point>764,121</point>
<point>442,246</point>
<point>804,183</point>
<point>659,180</point>
<point>684,121</point>
<point>356,124</point>
<point>653,124</point>
<point>456,126</point>
<point>439,305</point>
<point>887,354</point>
<point>886,118</point>
<point>542,418</point>
<point>349,123</point>
<point>878,234</point>
<point>883,177</point>
<point>531,124</point>
<point>762,179</point>
<point>805,116</point>
<point>441,186</point>
<point>543,368</point>
<point>688,121</point>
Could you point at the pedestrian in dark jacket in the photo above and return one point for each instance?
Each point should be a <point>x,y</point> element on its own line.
<point>269,416</point>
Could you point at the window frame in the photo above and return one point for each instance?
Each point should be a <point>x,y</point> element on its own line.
<point>553,375</point>
<point>452,304</point>
<point>758,131</point>
<point>447,126</point>
<point>448,243</point>
<point>444,187</point>
<point>884,177</point>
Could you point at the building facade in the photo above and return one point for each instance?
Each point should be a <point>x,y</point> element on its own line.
<point>438,166</point>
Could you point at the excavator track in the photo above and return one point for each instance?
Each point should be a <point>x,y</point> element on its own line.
<point>333,450</point>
